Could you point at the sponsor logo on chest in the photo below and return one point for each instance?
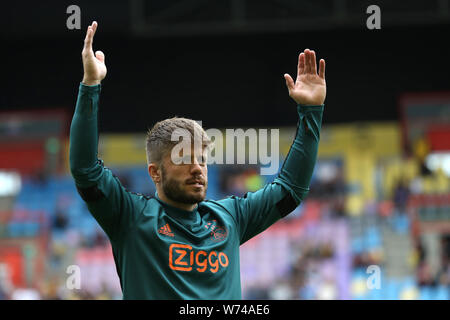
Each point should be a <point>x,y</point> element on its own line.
<point>182,257</point>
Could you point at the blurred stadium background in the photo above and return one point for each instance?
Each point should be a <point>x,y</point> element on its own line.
<point>380,193</point>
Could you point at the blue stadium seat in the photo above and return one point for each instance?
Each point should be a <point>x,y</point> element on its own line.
<point>426,293</point>
<point>15,229</point>
<point>392,289</point>
<point>400,224</point>
<point>442,293</point>
<point>373,238</point>
<point>375,294</point>
<point>30,229</point>
<point>408,282</point>
<point>357,245</point>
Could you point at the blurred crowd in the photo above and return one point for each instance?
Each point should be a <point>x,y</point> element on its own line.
<point>319,251</point>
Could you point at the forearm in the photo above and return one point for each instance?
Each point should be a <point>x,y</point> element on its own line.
<point>84,137</point>
<point>298,167</point>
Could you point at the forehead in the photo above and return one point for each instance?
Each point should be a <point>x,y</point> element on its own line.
<point>189,150</point>
<point>175,155</point>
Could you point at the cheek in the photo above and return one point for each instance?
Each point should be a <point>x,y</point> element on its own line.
<point>170,175</point>
<point>174,171</point>
<point>177,175</point>
<point>205,174</point>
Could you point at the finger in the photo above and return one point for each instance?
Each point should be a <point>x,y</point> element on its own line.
<point>88,39</point>
<point>301,64</point>
<point>322,68</point>
<point>289,81</point>
<point>100,56</point>
<point>94,27</point>
<point>313,62</point>
<point>90,35</point>
<point>307,61</point>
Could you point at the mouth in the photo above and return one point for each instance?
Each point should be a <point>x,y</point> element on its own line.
<point>197,183</point>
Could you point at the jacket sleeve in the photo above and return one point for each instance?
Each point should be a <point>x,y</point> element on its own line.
<point>114,208</point>
<point>256,211</point>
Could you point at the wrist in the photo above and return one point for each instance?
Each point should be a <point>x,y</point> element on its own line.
<point>310,105</point>
<point>90,82</point>
<point>303,109</point>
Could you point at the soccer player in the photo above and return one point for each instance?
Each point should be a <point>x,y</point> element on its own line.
<point>176,244</point>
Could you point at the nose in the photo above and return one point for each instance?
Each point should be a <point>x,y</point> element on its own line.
<point>195,167</point>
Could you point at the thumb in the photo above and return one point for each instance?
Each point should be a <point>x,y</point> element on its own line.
<point>289,81</point>
<point>100,56</point>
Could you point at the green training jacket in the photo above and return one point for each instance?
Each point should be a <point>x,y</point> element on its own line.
<point>162,252</point>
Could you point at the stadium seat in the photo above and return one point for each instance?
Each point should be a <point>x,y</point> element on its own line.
<point>392,289</point>
<point>442,293</point>
<point>426,293</point>
<point>15,229</point>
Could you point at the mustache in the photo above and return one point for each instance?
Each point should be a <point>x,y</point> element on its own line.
<point>193,180</point>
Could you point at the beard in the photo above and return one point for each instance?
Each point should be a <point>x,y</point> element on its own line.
<point>173,190</point>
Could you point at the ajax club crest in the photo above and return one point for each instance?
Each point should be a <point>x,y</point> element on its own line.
<point>217,232</point>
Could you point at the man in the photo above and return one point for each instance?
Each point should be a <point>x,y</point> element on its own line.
<point>177,245</point>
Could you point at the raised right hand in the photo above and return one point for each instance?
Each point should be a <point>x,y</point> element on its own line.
<point>94,65</point>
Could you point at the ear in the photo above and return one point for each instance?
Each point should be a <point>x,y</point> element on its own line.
<point>154,172</point>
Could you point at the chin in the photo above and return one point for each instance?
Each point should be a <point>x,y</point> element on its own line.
<point>199,196</point>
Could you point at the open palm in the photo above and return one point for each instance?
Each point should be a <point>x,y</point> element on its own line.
<point>309,88</point>
<point>94,65</point>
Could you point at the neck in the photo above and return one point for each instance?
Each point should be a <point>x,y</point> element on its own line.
<point>179,205</point>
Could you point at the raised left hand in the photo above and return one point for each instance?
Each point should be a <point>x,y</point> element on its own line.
<point>309,88</point>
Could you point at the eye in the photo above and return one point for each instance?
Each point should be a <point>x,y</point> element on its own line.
<point>179,160</point>
<point>186,159</point>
